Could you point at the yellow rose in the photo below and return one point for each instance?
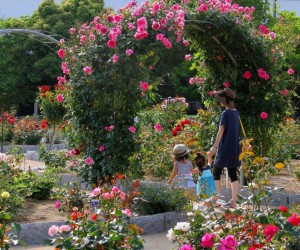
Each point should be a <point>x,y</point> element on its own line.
<point>5,194</point>
<point>258,160</point>
<point>279,165</point>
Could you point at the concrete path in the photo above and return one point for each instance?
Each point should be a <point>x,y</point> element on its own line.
<point>152,242</point>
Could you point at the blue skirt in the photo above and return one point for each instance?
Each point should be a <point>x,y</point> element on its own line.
<point>206,186</point>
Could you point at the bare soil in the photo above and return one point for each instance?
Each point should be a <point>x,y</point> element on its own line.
<point>44,210</point>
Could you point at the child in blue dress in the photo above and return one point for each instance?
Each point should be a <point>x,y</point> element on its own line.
<point>206,185</point>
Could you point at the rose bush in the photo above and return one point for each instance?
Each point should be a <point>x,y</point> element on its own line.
<point>252,225</point>
<point>105,226</point>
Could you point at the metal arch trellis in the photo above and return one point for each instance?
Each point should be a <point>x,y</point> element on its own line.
<point>26,32</point>
<point>30,32</point>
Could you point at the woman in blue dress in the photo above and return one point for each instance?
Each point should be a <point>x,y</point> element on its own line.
<point>226,146</point>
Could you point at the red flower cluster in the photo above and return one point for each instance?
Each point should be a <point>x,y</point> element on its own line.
<point>44,124</point>
<point>7,117</point>
<point>180,126</point>
<point>43,91</point>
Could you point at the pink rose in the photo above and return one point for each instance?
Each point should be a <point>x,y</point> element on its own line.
<point>144,86</point>
<point>203,7</point>
<point>185,43</point>
<point>188,57</point>
<point>103,30</point>
<point>115,58</point>
<point>101,148</point>
<point>89,161</point>
<point>87,70</point>
<point>207,240</point>
<point>122,196</point>
<point>247,75</point>
<point>57,204</point>
<point>115,189</point>
<point>96,191</point>
<point>129,52</point>
<point>294,219</point>
<point>263,115</point>
<point>142,22</point>
<point>157,127</point>
<point>82,40</point>
<point>132,129</point>
<point>229,242</point>
<point>109,128</point>
<point>270,231</point>
<point>53,230</point>
<point>192,80</point>
<point>155,6</point>
<point>155,25</point>
<point>284,92</point>
<point>291,71</point>
<point>106,196</point>
<point>92,37</point>
<point>261,73</point>
<point>226,84</point>
<point>61,53</point>
<point>263,29</point>
<point>72,31</point>
<point>272,35</point>
<point>60,97</point>
<point>61,80</point>
<point>111,44</point>
<point>64,229</point>
<point>186,247</point>
<point>267,77</point>
<point>127,212</point>
<point>118,18</point>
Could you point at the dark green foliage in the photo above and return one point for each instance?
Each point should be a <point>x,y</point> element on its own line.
<point>157,198</point>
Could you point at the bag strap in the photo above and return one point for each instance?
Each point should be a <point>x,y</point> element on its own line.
<point>244,133</point>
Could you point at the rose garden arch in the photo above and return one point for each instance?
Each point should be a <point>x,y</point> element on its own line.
<point>109,63</point>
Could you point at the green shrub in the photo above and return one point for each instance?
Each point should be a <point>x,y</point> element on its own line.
<point>32,138</point>
<point>52,159</point>
<point>71,197</point>
<point>159,198</point>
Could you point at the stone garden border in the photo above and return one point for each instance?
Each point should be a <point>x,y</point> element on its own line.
<point>36,233</point>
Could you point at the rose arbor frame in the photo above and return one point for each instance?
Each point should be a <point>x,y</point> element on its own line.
<point>109,61</point>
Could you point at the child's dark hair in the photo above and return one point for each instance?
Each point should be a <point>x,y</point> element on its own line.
<point>182,158</point>
<point>199,160</point>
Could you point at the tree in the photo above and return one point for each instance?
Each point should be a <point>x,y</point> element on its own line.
<point>28,62</point>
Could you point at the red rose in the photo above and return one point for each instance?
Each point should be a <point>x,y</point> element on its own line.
<point>94,217</point>
<point>74,216</point>
<point>43,125</point>
<point>174,132</point>
<point>283,209</point>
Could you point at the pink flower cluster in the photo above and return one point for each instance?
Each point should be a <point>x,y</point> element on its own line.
<point>225,6</point>
<point>194,80</point>
<point>115,192</point>
<point>263,74</point>
<point>53,230</point>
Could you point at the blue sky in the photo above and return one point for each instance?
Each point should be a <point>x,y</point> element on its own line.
<point>17,8</point>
